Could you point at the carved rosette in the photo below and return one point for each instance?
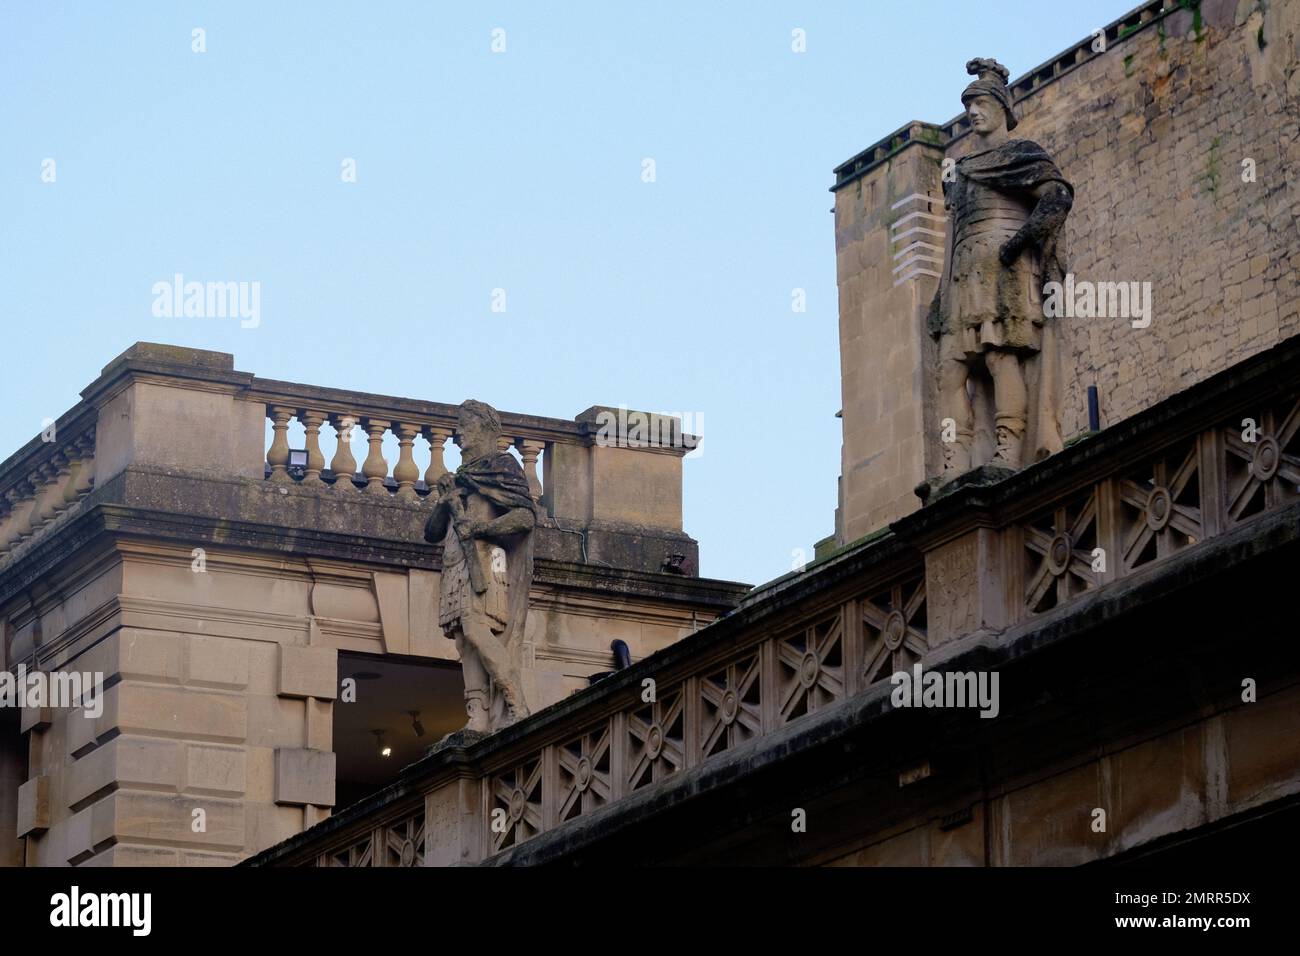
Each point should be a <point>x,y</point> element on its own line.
<point>404,842</point>
<point>894,630</point>
<point>730,705</point>
<point>515,813</point>
<point>585,779</point>
<point>656,736</point>
<point>810,669</point>
<point>1160,507</point>
<point>1264,473</point>
<point>1058,553</point>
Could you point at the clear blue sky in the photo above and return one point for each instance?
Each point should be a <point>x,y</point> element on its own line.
<point>519,170</point>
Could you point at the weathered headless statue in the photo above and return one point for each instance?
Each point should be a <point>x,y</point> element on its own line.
<point>484,518</point>
<point>1006,207</point>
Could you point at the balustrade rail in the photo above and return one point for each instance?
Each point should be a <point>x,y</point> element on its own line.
<point>406,421</point>
<point>46,479</point>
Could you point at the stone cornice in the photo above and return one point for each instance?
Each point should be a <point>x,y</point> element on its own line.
<point>99,518</point>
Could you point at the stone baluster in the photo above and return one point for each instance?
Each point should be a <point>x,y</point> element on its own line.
<point>27,501</point>
<point>311,423</point>
<point>44,484</point>
<point>71,466</point>
<point>52,496</point>
<point>85,477</point>
<point>529,452</point>
<point>6,522</point>
<point>344,464</point>
<point>277,456</point>
<point>406,472</point>
<point>375,467</point>
<point>78,465</point>
<point>437,437</point>
<point>504,443</point>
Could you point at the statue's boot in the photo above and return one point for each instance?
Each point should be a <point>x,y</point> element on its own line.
<point>477,711</point>
<point>956,456</point>
<point>1011,433</point>
<point>516,708</point>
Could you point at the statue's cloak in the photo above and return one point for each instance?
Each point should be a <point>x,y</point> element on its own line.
<point>1019,166</point>
<point>500,479</point>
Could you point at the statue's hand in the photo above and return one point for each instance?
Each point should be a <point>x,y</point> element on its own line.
<point>934,320</point>
<point>446,484</point>
<point>1009,251</point>
<point>468,529</point>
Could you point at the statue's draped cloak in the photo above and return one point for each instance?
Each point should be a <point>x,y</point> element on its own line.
<point>1020,166</point>
<point>500,479</point>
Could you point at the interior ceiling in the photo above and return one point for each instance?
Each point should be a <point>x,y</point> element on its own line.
<point>383,703</point>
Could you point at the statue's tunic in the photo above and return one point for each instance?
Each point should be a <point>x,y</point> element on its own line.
<point>985,305</point>
<point>458,595</point>
<point>991,305</point>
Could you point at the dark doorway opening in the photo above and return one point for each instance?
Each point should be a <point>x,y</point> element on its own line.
<point>395,698</point>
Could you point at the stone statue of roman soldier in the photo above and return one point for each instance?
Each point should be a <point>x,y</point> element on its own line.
<point>997,356</point>
<point>484,518</point>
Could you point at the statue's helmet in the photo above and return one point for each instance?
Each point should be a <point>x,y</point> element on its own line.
<point>990,80</point>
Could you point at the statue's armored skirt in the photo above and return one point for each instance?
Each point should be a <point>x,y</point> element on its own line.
<point>990,306</point>
<point>458,595</point>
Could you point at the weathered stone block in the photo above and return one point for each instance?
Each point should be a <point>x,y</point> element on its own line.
<point>1157,787</point>
<point>1263,749</point>
<point>36,718</point>
<point>210,768</point>
<point>965,586</point>
<point>1049,823</point>
<point>149,655</point>
<point>124,762</point>
<point>308,672</point>
<point>34,806</point>
<point>170,818</point>
<point>217,662</point>
<point>180,712</point>
<point>304,776</point>
<point>320,724</point>
<point>276,722</point>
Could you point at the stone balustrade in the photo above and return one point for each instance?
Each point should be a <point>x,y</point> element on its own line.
<point>186,418</point>
<point>46,479</point>
<point>377,475</point>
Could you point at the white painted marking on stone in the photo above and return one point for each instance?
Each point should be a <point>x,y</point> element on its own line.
<point>918,215</point>
<point>915,230</point>
<point>918,245</point>
<point>915,259</point>
<point>907,199</point>
<point>913,275</point>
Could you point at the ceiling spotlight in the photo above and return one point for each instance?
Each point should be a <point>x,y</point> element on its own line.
<point>415,723</point>
<point>384,749</point>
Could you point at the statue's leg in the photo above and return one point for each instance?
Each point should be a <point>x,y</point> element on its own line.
<point>476,684</point>
<point>496,660</point>
<point>954,403</point>
<point>1010,401</point>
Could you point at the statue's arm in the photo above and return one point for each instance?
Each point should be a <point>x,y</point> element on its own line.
<point>514,522</point>
<point>935,320</point>
<point>435,529</point>
<point>1052,204</point>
